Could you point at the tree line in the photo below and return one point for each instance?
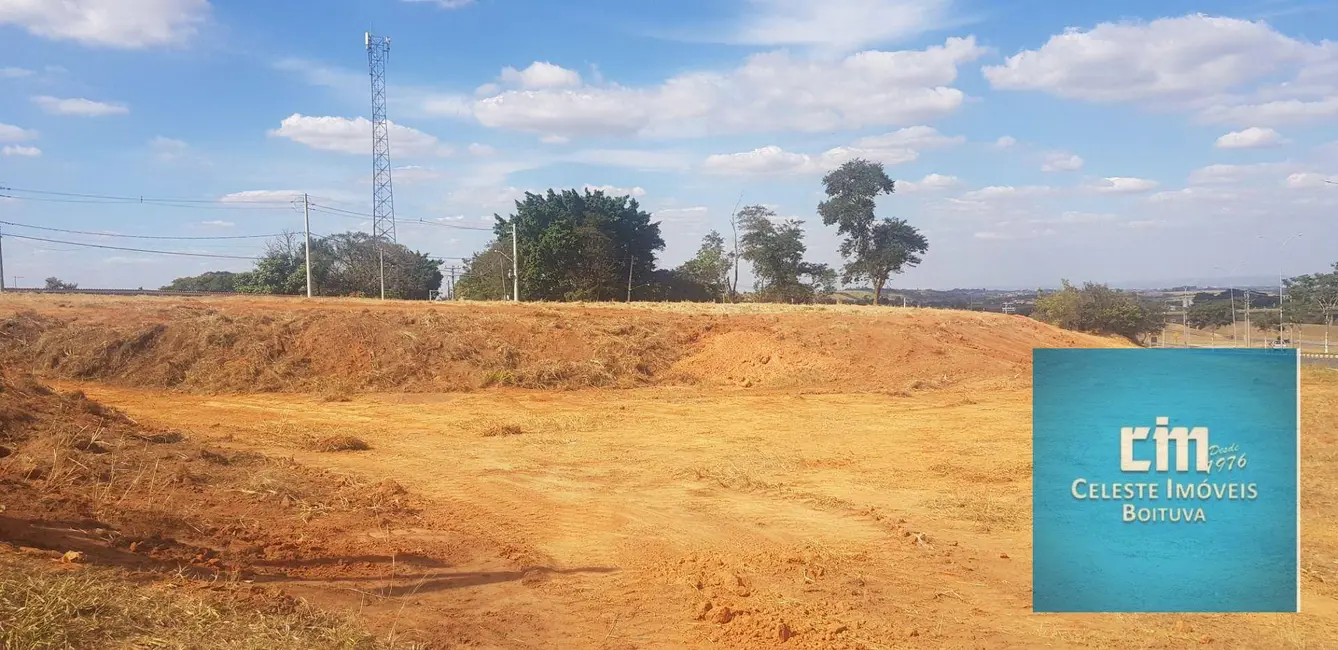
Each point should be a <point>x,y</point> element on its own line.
<point>345,264</point>
<point>588,245</point>
<point>1096,308</point>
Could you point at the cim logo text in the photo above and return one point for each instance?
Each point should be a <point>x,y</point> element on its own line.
<point>1162,436</point>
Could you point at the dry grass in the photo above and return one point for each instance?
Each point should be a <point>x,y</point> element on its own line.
<point>42,608</point>
<point>338,443</point>
<point>499,430</point>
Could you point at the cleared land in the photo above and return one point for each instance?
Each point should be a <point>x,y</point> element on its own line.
<point>671,477</point>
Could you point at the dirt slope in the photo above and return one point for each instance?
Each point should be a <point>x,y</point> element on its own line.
<point>340,347</point>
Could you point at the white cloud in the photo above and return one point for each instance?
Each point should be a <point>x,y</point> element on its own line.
<point>1030,233</point>
<point>124,24</point>
<point>218,224</point>
<point>1123,185</point>
<point>11,133</point>
<point>1075,217</point>
<point>1251,138</point>
<point>554,139</point>
<point>1289,111</point>
<point>14,73</point>
<point>930,183</point>
<point>642,159</point>
<point>410,174</point>
<point>261,196</point>
<point>771,160</point>
<point>911,137</point>
<point>678,215</point>
<point>319,74</point>
<point>1195,62</point>
<point>1008,192</point>
<point>890,149</point>
<point>354,136</point>
<point>481,150</point>
<point>445,4</point>
<point>168,150</point>
<point>768,92</point>
<point>837,26</point>
<point>1232,174</point>
<point>540,74</point>
<point>16,150</point>
<point>1309,180</point>
<point>634,192</point>
<point>1061,162</point>
<point>79,106</point>
<point>1005,142</point>
<point>1196,194</point>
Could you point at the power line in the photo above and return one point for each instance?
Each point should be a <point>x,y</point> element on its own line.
<point>363,216</point>
<point>107,234</point>
<point>134,250</point>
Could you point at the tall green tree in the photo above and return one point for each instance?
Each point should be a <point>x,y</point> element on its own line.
<point>344,264</point>
<point>710,268</point>
<point>486,274</point>
<point>874,249</point>
<point>1318,294</point>
<point>1098,309</point>
<point>776,252</point>
<point>210,281</point>
<point>581,245</point>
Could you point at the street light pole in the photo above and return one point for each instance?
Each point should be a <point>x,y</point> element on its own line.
<point>1281,327</point>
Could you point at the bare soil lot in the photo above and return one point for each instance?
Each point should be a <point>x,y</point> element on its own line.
<point>732,477</point>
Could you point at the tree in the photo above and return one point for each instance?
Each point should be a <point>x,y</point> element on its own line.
<point>486,274</point>
<point>822,279</point>
<point>210,281</point>
<point>874,249</point>
<point>776,253</point>
<point>344,264</point>
<point>1317,293</point>
<point>1211,314</point>
<point>1098,309</point>
<point>56,284</point>
<point>710,268</point>
<point>581,245</point>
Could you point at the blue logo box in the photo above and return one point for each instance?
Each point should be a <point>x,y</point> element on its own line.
<point>1165,480</point>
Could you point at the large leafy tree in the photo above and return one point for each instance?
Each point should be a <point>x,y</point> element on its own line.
<point>581,245</point>
<point>776,252</point>
<point>874,249</point>
<point>210,281</point>
<point>710,268</point>
<point>1317,294</point>
<point>345,264</point>
<point>1099,309</point>
<point>486,274</point>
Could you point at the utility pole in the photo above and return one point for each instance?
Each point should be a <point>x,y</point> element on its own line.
<point>452,285</point>
<point>1281,327</point>
<point>306,220</point>
<point>515,262</point>
<point>1247,318</point>
<point>2,260</point>
<point>630,260</point>
<point>1184,312</point>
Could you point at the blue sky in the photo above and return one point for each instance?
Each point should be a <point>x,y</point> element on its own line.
<point>1031,140</point>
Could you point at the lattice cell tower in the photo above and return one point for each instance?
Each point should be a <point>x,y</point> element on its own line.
<point>383,200</point>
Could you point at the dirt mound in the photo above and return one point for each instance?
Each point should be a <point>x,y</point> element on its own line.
<point>338,348</point>
<point>78,477</point>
